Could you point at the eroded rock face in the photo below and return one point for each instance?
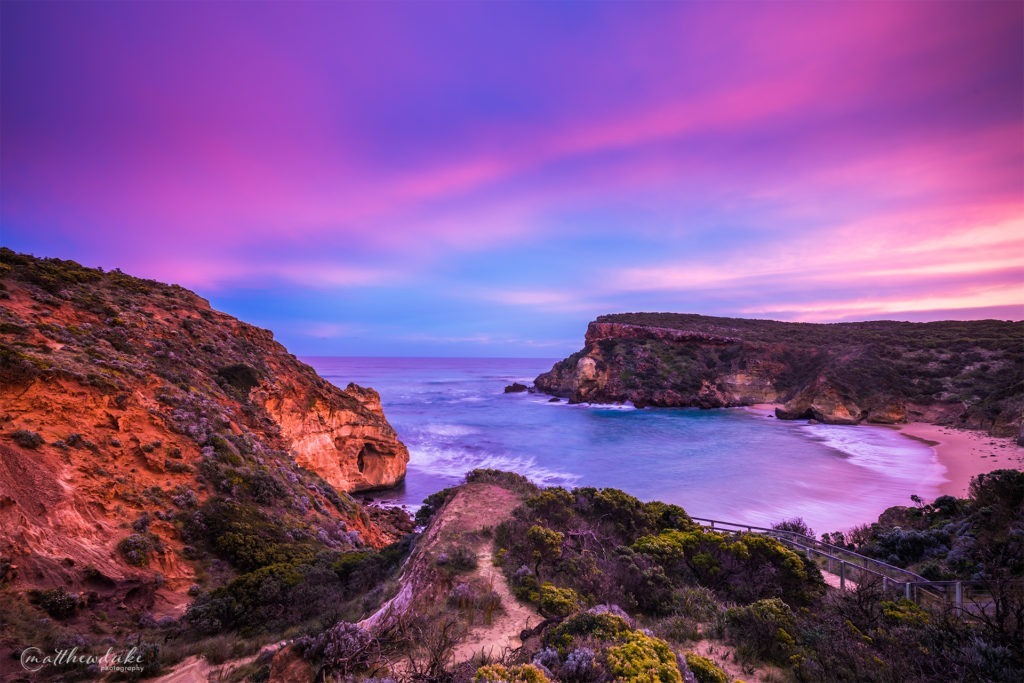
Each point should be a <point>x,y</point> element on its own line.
<point>125,404</point>
<point>623,362</point>
<point>878,372</point>
<point>341,438</point>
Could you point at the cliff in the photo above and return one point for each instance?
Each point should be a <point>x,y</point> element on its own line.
<point>132,415</point>
<point>965,373</point>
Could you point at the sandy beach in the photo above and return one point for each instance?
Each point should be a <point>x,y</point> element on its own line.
<point>965,453</point>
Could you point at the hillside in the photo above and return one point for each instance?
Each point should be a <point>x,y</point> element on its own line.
<point>509,582</point>
<point>154,451</point>
<point>965,373</point>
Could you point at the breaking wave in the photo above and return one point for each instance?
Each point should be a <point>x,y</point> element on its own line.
<point>882,450</point>
<point>454,463</point>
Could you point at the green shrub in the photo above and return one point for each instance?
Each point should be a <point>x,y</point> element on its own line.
<point>545,546</point>
<point>744,568</point>
<point>763,630</point>
<point>27,439</point>
<point>248,538</point>
<point>904,612</point>
<point>643,659</point>
<point>704,670</point>
<point>57,602</point>
<point>498,673</point>
<point>317,591</point>
<point>433,503</point>
<point>457,558</point>
<point>604,627</point>
<point>516,483</point>
<point>557,602</point>
<point>796,525</point>
<point>361,570</point>
<point>135,549</point>
<point>225,450</point>
<point>252,599</point>
<point>240,377</point>
<point>696,602</point>
<point>249,551</point>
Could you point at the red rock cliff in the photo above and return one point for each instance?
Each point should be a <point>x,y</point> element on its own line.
<point>126,403</point>
<point>964,373</point>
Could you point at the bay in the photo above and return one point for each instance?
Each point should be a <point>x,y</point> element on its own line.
<point>733,464</point>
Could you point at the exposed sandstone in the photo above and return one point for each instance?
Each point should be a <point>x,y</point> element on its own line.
<point>343,438</point>
<point>147,402</point>
<point>965,373</point>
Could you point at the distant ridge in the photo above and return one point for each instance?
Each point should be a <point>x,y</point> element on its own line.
<point>964,373</point>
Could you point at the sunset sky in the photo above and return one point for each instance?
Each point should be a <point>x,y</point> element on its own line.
<point>471,178</point>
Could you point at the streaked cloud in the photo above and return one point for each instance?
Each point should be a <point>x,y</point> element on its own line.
<point>487,177</point>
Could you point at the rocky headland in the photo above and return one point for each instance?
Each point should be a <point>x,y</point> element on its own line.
<point>153,450</point>
<point>963,373</point>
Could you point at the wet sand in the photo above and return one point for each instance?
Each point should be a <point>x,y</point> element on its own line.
<point>965,453</point>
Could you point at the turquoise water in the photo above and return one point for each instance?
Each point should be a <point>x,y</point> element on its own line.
<point>730,464</point>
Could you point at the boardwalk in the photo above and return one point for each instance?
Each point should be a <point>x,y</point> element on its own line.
<point>844,569</point>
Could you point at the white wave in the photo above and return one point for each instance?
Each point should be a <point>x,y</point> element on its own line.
<point>450,430</point>
<point>602,406</point>
<point>546,400</point>
<point>882,450</point>
<point>455,463</point>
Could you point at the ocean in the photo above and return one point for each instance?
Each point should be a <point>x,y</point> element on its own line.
<point>732,464</point>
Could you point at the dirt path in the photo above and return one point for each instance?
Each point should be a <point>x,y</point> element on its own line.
<point>196,669</point>
<point>475,508</point>
<point>470,514</point>
<point>491,640</point>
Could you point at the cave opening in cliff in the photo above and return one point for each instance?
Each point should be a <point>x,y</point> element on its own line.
<point>367,452</point>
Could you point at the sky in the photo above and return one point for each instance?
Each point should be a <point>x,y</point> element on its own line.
<point>484,178</point>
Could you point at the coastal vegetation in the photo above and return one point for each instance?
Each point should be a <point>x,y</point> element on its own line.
<point>978,540</point>
<point>635,591</point>
<point>154,496</point>
<point>150,489</point>
<point>964,373</point>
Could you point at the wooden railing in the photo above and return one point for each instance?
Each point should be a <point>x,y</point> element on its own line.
<point>853,569</point>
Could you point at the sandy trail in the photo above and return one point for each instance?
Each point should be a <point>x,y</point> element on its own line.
<point>470,514</point>
<point>502,634</point>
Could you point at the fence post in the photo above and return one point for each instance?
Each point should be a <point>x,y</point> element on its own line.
<point>907,591</point>
<point>959,596</point>
<point>885,584</point>
<point>842,575</point>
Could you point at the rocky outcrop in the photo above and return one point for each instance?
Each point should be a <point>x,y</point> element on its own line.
<point>969,374</point>
<point>651,366</point>
<point>127,404</point>
<point>822,402</point>
<point>344,439</point>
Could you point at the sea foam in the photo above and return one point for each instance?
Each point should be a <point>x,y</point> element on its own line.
<point>883,451</point>
<point>454,463</point>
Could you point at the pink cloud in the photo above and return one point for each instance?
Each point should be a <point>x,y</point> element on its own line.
<point>843,138</point>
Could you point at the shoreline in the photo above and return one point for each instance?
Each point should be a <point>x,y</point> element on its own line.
<point>964,453</point>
